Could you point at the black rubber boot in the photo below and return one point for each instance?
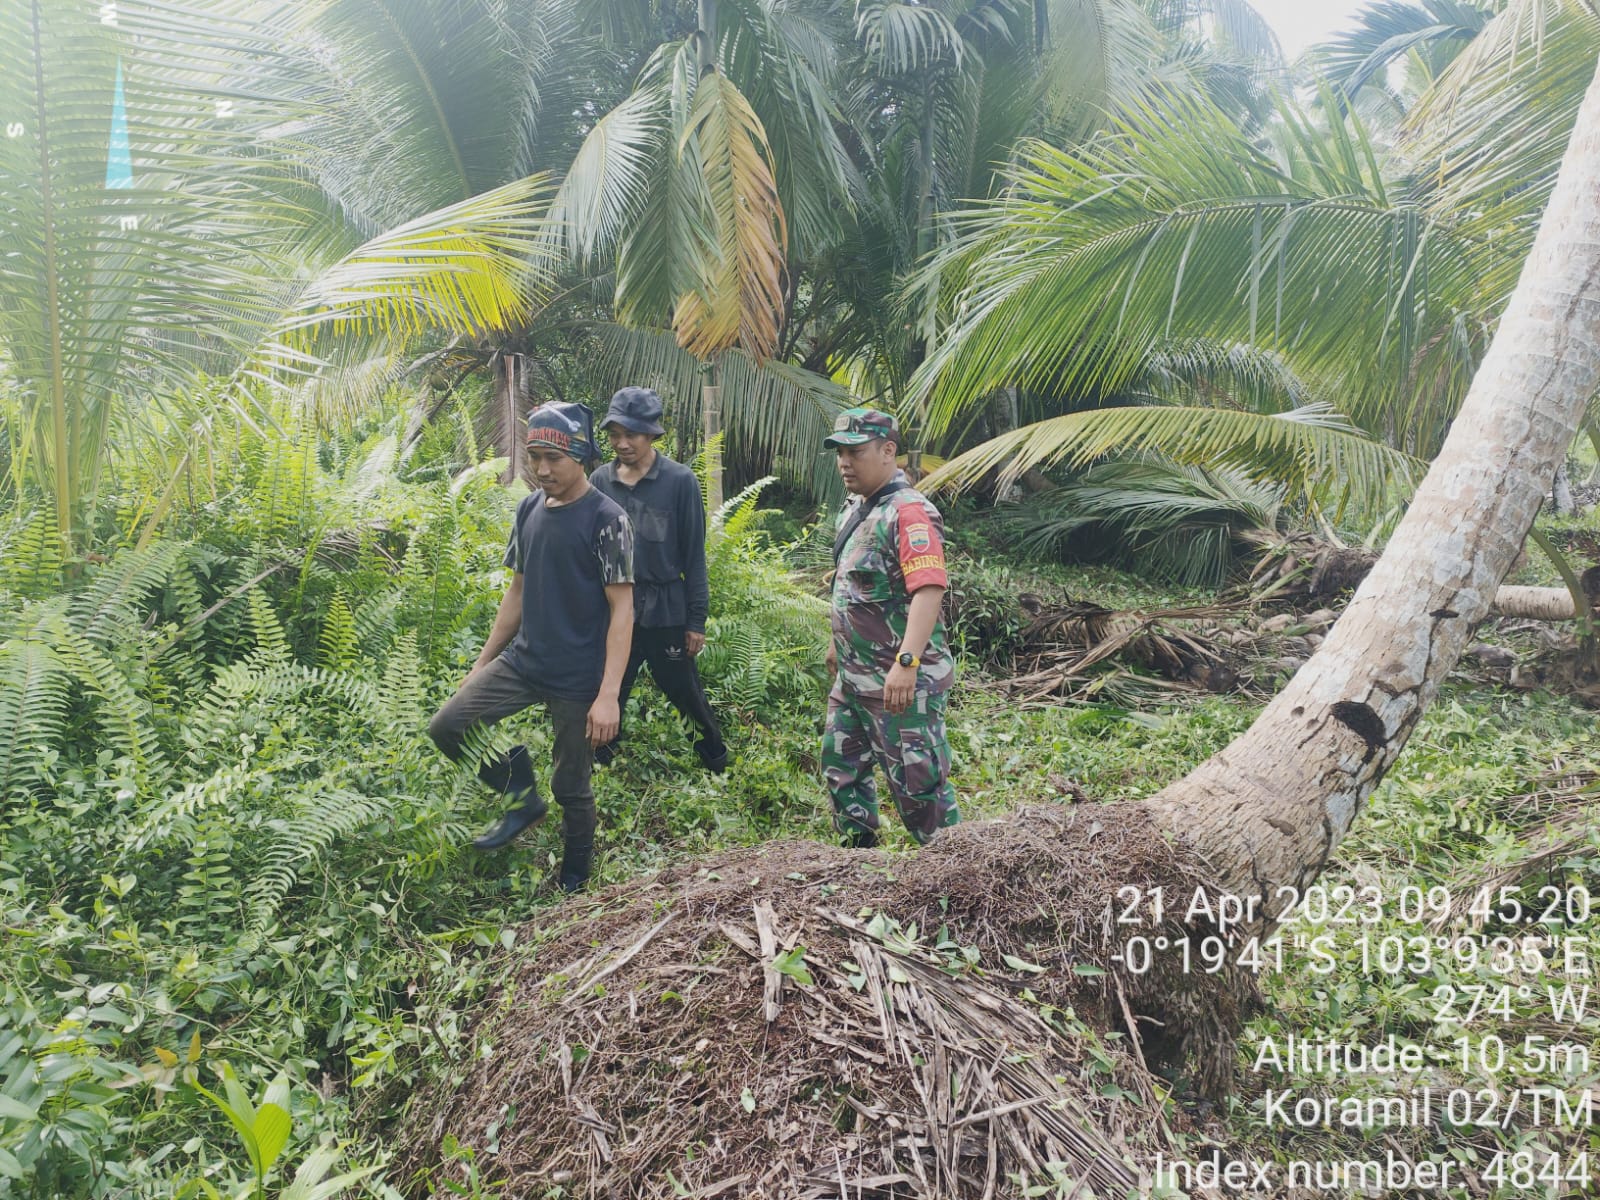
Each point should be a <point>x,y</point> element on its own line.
<point>576,860</point>
<point>714,758</point>
<point>860,839</point>
<point>513,822</point>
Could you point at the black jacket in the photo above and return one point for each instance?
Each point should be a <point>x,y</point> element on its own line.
<point>669,543</point>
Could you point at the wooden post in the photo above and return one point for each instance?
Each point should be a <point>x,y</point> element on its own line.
<point>711,426</point>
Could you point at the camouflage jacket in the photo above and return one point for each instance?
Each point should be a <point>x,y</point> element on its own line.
<point>896,550</point>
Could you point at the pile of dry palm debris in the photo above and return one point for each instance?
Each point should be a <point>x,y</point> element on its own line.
<point>1079,650</point>
<point>798,1020</point>
<point>1303,567</point>
<point>1083,650</point>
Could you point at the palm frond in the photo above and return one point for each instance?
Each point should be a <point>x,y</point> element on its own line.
<point>1236,375</point>
<point>1387,31</point>
<point>416,106</point>
<point>107,290</point>
<point>653,265</point>
<point>785,60</point>
<point>1311,451</point>
<point>1244,33</point>
<point>1488,138</point>
<point>1174,521</point>
<point>609,182</point>
<point>741,239</point>
<point>901,38</point>
<point>1102,56</point>
<point>775,414</point>
<point>467,268</point>
<point>1174,226</point>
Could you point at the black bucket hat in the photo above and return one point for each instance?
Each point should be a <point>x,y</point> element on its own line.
<point>637,409</point>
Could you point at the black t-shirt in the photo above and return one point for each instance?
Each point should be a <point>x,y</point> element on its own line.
<point>566,556</point>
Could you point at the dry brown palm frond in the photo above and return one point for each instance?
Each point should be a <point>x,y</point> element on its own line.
<point>1066,648</point>
<point>739,259</point>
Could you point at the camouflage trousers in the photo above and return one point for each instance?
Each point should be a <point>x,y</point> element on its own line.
<point>911,747</point>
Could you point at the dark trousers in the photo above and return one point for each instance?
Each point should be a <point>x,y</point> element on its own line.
<point>673,669</point>
<point>496,692</point>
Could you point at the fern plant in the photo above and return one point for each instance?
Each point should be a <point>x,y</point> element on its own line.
<point>765,639</point>
<point>316,818</point>
<point>34,692</point>
<point>32,553</point>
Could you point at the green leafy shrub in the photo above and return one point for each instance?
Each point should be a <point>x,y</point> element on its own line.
<point>225,825</point>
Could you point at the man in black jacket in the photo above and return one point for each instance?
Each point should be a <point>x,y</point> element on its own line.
<point>671,595</point>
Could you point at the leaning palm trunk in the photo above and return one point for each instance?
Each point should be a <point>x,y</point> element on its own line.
<point>1269,810</point>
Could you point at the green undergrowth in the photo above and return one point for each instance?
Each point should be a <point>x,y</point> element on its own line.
<point>1484,836</point>
<point>229,852</point>
<point>228,845</point>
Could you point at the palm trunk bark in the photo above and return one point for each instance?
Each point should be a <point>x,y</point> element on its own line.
<point>711,426</point>
<point>1534,603</point>
<point>1561,492</point>
<point>711,389</point>
<point>510,389</point>
<point>1269,810</point>
<point>1004,417</point>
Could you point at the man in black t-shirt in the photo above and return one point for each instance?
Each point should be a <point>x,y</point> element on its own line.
<point>671,597</point>
<point>560,636</point>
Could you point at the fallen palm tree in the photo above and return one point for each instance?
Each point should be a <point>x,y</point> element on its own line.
<point>1301,566</point>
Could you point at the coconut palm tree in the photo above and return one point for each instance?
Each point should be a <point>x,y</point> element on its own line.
<point>912,108</point>
<point>156,223</point>
<point>1425,35</point>
<point>1264,818</point>
<point>1177,226</point>
<point>695,146</point>
<point>1488,138</point>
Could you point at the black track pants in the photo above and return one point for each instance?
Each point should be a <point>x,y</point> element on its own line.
<point>673,669</point>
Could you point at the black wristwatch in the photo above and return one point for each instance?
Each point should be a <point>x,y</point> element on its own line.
<point>908,659</point>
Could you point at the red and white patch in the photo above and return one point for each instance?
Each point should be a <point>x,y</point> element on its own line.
<point>921,550</point>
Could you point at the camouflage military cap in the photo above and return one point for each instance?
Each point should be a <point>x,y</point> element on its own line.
<point>857,425</point>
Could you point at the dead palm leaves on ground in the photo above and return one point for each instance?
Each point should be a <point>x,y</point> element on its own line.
<point>1302,566</point>
<point>800,1021</point>
<point>1557,820</point>
<point>1066,650</point>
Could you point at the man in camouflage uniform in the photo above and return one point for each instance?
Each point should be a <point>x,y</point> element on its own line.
<point>894,669</point>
